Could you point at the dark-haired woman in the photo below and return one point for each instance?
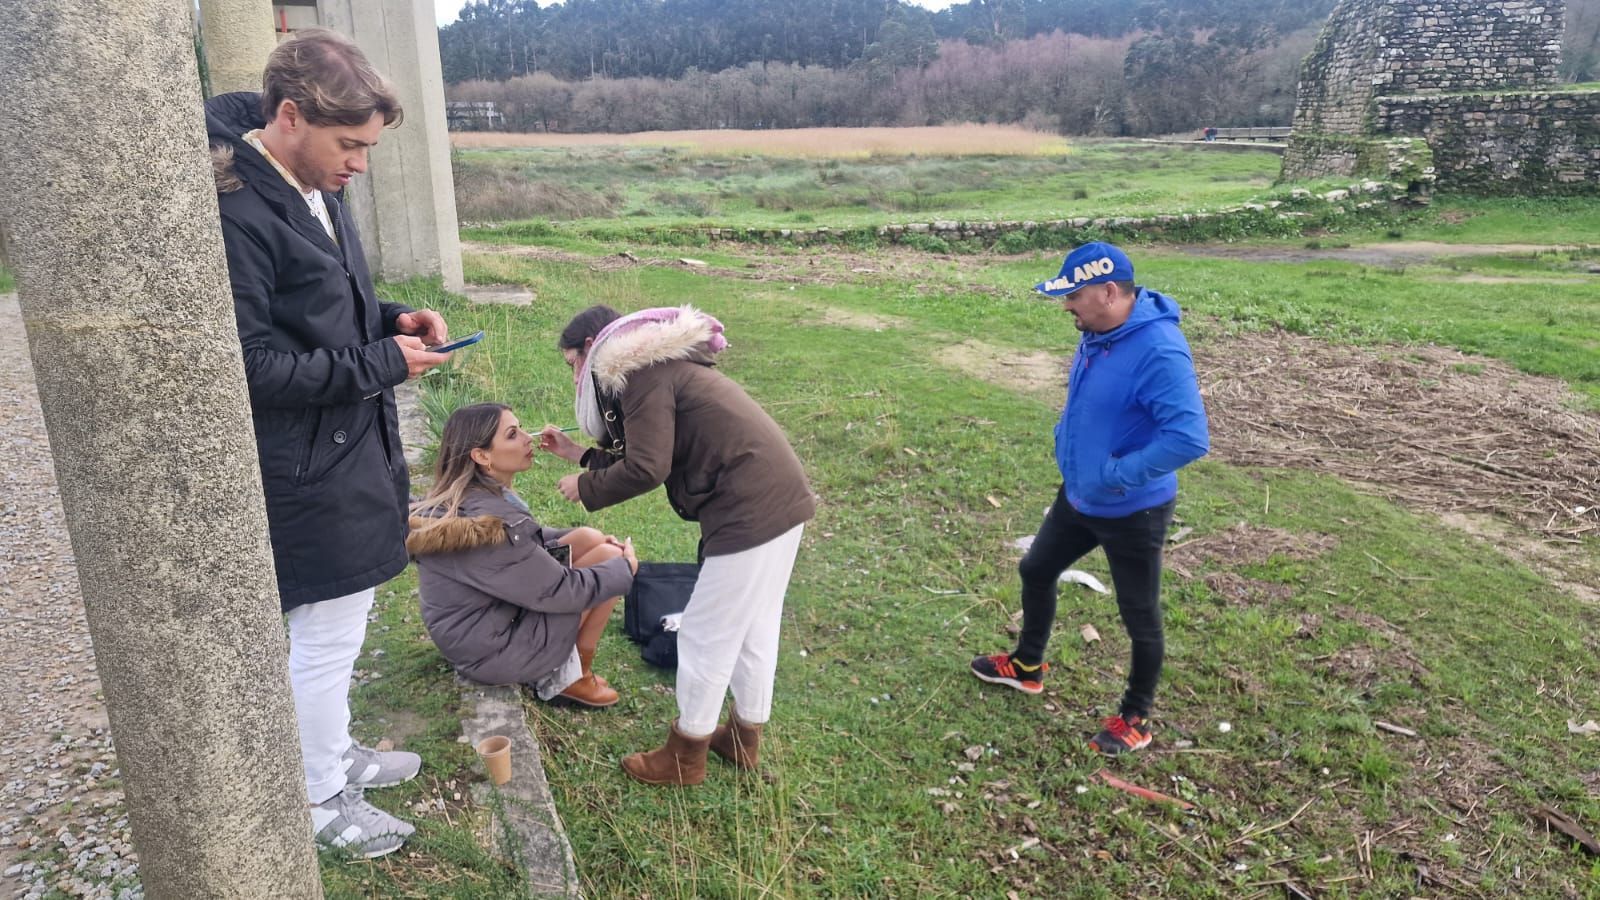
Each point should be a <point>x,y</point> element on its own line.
<point>647,392</point>
<point>507,600</point>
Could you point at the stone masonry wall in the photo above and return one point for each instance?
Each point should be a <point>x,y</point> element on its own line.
<point>1390,47</point>
<point>1468,45</point>
<point>1378,48</point>
<point>1543,142</point>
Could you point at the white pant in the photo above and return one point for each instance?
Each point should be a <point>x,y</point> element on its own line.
<point>324,641</point>
<point>729,634</point>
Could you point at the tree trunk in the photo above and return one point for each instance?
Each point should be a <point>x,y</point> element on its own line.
<point>125,296</point>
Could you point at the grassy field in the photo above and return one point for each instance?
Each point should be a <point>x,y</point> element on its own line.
<point>653,186</point>
<point>1535,221</point>
<point>1307,611</point>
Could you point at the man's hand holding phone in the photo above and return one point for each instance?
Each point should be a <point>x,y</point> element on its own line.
<point>418,358</point>
<point>424,324</point>
<point>457,344</point>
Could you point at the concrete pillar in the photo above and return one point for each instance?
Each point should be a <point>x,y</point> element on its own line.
<point>112,220</point>
<point>237,35</point>
<point>405,207</point>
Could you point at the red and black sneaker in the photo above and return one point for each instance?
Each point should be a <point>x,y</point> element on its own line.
<point>1001,668</point>
<point>1122,735</point>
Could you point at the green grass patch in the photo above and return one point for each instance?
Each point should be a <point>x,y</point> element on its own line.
<point>1514,220</point>
<point>1541,328</point>
<point>7,282</point>
<point>663,187</point>
<point>891,772</point>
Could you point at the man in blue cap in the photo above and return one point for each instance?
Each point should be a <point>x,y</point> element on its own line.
<point>1133,417</point>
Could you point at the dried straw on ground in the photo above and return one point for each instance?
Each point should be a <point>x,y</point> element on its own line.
<point>1431,426</point>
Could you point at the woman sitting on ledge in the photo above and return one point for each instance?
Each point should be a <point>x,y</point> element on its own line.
<point>507,600</point>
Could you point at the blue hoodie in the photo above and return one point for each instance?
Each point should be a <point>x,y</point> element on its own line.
<point>1133,416</point>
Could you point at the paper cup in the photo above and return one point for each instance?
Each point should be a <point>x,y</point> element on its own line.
<point>496,753</point>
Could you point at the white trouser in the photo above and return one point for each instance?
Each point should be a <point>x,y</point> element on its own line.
<point>324,641</point>
<point>729,634</point>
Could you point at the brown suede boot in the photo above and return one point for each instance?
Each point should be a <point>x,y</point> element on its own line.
<point>737,742</point>
<point>590,690</point>
<point>681,761</point>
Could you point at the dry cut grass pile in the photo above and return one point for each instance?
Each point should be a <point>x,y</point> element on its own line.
<point>1432,426</point>
<point>808,143</point>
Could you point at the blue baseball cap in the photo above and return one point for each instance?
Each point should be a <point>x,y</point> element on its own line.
<point>1094,263</point>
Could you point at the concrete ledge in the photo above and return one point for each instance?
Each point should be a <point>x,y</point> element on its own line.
<point>527,827</point>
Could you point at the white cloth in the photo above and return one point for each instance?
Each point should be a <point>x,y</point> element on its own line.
<point>324,640</point>
<point>728,637</point>
<point>564,676</point>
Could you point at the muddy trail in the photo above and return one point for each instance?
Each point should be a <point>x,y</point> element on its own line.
<point>1391,253</point>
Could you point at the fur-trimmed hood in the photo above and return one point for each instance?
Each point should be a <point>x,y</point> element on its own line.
<point>689,335</point>
<point>430,535</point>
<point>635,342</point>
<point>222,170</point>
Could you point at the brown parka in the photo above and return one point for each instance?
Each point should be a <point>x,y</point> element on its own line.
<point>675,420</point>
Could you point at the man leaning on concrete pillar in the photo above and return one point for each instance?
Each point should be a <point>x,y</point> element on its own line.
<point>321,355</point>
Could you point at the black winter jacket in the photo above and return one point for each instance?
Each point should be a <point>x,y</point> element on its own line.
<point>320,370</point>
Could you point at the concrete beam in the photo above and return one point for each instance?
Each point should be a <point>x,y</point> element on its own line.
<point>124,294</point>
<point>405,207</point>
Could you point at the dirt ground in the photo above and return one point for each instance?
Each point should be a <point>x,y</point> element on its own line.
<point>1381,254</point>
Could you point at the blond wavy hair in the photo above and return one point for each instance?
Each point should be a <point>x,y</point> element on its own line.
<point>329,79</point>
<point>454,472</point>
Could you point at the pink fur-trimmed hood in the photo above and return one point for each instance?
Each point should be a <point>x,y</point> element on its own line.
<point>637,341</point>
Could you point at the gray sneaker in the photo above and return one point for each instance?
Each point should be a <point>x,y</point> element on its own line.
<point>348,821</point>
<point>365,767</point>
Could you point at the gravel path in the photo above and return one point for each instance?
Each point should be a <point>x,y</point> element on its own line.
<point>62,827</point>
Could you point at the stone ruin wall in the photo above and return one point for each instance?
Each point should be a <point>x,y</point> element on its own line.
<point>1372,50</point>
<point>1537,142</point>
<point>1462,45</point>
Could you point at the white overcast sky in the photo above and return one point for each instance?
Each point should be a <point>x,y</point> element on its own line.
<point>448,9</point>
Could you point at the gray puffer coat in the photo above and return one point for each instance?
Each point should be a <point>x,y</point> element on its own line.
<point>501,609</point>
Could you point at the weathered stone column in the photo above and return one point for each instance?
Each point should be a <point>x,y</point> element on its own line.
<point>237,36</point>
<point>405,206</point>
<point>112,217</point>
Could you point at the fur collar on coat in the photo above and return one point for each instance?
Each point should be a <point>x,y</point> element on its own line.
<point>453,535</point>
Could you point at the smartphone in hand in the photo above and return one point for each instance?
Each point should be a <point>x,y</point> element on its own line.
<point>457,344</point>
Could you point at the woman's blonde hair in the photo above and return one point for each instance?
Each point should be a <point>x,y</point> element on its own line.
<point>454,472</point>
<point>329,79</point>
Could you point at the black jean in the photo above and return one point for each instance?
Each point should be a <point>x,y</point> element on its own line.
<point>1133,546</point>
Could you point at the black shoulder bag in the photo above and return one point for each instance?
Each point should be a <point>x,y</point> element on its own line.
<point>659,590</point>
